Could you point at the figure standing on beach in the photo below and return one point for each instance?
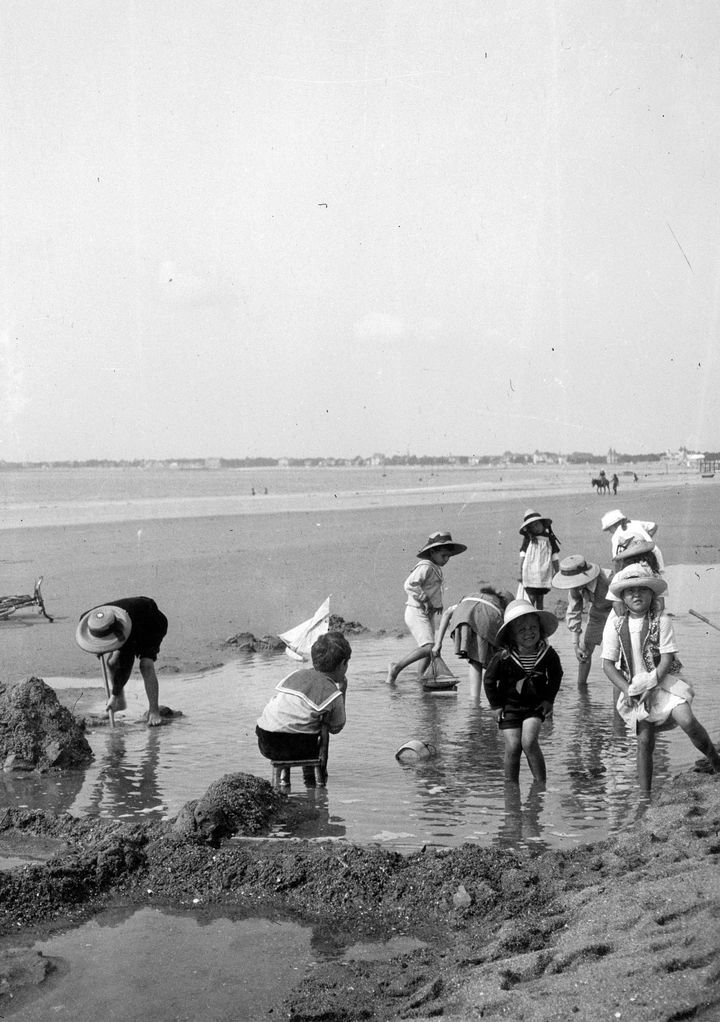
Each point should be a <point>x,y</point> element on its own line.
<point>424,588</point>
<point>307,700</point>
<point>622,529</point>
<point>130,628</point>
<point>639,658</point>
<point>538,557</point>
<point>521,683</point>
<point>615,483</point>
<point>587,584</point>
<point>474,623</point>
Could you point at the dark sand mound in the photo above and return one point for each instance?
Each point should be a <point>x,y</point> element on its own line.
<point>625,929</point>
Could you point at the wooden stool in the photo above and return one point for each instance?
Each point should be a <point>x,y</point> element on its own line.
<point>278,765</point>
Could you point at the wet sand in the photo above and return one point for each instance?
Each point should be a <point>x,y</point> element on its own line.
<point>262,573</point>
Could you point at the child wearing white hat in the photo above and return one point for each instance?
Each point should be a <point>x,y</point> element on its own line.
<point>639,655</point>
<point>623,529</point>
<point>521,683</point>
<point>588,588</point>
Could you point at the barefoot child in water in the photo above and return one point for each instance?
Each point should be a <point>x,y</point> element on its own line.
<point>424,588</point>
<point>521,684</point>
<point>538,557</point>
<point>639,658</point>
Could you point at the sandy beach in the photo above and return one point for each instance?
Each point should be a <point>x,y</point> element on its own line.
<point>217,575</point>
<point>622,929</point>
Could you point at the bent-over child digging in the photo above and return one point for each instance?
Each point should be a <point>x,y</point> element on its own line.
<point>521,683</point>
<point>639,655</point>
<point>474,623</point>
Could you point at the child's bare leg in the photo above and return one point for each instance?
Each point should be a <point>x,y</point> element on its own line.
<point>475,673</point>
<point>645,750</point>
<point>118,677</point>
<point>513,748</point>
<point>584,669</point>
<point>147,669</point>
<point>421,653</point>
<point>531,747</point>
<point>697,734</point>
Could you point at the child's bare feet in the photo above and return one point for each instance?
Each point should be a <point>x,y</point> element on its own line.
<point>116,703</point>
<point>391,675</point>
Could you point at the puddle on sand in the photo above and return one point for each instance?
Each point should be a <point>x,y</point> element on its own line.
<point>135,965</point>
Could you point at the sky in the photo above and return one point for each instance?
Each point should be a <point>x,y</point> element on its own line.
<point>241,228</point>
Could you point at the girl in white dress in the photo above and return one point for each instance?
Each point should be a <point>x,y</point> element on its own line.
<point>538,558</point>
<point>639,658</point>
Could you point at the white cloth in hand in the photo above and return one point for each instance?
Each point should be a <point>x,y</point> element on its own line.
<point>642,682</point>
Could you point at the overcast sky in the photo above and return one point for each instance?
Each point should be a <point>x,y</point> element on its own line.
<point>248,227</point>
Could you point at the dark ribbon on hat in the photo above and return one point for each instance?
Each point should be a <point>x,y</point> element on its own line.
<point>101,631</point>
<point>579,570</point>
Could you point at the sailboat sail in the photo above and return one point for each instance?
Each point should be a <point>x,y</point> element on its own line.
<point>299,639</point>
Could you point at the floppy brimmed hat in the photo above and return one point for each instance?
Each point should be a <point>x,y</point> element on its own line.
<point>637,575</point>
<point>530,517</point>
<point>520,608</point>
<point>574,572</point>
<point>441,539</point>
<point>633,547</point>
<point>611,518</point>
<point>103,629</point>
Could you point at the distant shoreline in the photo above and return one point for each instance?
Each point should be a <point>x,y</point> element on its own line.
<point>515,481</point>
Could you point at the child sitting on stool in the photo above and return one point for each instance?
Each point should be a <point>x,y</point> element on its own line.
<point>290,725</point>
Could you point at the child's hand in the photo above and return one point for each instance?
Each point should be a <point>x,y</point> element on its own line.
<point>435,651</point>
<point>545,708</point>
<point>582,654</point>
<point>497,714</point>
<point>642,682</point>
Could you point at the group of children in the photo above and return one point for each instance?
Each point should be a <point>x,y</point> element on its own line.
<point>506,635</point>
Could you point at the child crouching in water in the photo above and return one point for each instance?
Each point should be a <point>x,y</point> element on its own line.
<point>521,683</point>
<point>639,658</point>
<point>424,588</point>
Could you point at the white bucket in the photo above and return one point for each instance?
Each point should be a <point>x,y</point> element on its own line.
<point>415,750</point>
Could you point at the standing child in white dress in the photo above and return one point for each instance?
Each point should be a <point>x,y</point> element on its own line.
<point>424,588</point>
<point>639,658</point>
<point>538,557</point>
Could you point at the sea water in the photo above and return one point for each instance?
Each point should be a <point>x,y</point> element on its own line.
<point>456,795</point>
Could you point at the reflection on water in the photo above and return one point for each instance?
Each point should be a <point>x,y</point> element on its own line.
<point>221,967</point>
<point>457,795</point>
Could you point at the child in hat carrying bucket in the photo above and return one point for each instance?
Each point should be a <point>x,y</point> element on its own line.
<point>538,557</point>
<point>639,655</point>
<point>424,588</point>
<point>521,683</point>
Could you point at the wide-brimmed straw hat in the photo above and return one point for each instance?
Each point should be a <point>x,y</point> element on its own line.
<point>530,517</point>
<point>520,608</point>
<point>441,539</point>
<point>633,547</point>
<point>574,572</point>
<point>636,575</point>
<point>103,629</point>
<point>611,518</point>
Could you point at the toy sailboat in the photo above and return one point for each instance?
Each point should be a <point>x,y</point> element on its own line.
<point>299,639</point>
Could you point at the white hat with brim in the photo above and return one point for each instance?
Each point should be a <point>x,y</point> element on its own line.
<point>633,548</point>
<point>611,518</point>
<point>575,572</point>
<point>636,576</point>
<point>444,540</point>
<point>530,517</point>
<point>521,608</point>
<point>103,629</point>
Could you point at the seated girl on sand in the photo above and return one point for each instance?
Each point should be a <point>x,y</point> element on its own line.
<point>639,657</point>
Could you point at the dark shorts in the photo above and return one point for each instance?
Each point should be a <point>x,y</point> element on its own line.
<point>283,745</point>
<point>512,719</point>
